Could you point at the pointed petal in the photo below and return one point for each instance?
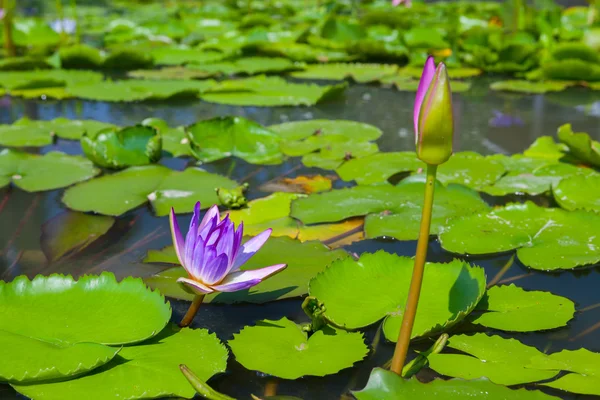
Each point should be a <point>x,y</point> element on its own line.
<point>245,279</point>
<point>194,286</point>
<point>426,78</point>
<point>249,248</point>
<point>214,237</point>
<point>210,254</point>
<point>216,270</point>
<point>177,237</point>
<point>237,241</point>
<point>225,243</point>
<point>195,268</point>
<point>190,238</point>
<point>211,216</point>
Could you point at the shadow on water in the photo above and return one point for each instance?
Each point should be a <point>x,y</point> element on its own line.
<point>123,248</point>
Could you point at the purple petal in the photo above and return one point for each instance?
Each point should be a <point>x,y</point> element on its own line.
<point>245,279</point>
<point>396,3</point>
<point>177,237</point>
<point>215,271</point>
<point>225,243</point>
<point>195,267</point>
<point>426,78</point>
<point>249,248</point>
<point>210,254</point>
<point>190,238</point>
<point>210,218</point>
<point>195,287</point>
<point>237,241</point>
<point>214,237</point>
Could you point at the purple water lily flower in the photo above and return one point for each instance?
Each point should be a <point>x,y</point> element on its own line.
<point>501,120</point>
<point>396,3</point>
<point>212,254</point>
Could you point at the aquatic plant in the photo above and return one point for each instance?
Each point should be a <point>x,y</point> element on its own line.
<point>212,254</point>
<point>433,133</point>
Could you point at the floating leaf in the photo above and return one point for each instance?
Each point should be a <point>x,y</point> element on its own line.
<point>453,73</point>
<point>21,136</point>
<point>80,56</point>
<point>405,84</point>
<point>270,91</point>
<point>450,202</point>
<point>502,361</point>
<point>27,359</point>
<point>125,190</point>
<point>123,312</point>
<point>179,56</point>
<point>119,148</point>
<point>304,260</point>
<point>51,78</point>
<point>361,73</point>
<point>299,184</point>
<point>510,308</point>
<point>523,86</point>
<point>470,169</point>
<point>72,231</point>
<point>404,201</point>
<point>386,385</point>
<point>221,137</point>
<point>578,192</point>
<point>580,145</point>
<point>585,376</point>
<point>377,168</point>
<point>450,292</point>
<point>251,66</point>
<point>69,129</point>
<point>170,73</point>
<point>34,173</point>
<point>304,52</point>
<point>545,238</point>
<point>149,370</point>
<point>333,155</point>
<point>265,346</point>
<point>545,147</point>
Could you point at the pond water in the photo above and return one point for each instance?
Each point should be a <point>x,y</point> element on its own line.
<point>477,116</point>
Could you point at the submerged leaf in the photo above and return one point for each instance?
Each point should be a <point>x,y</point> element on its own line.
<point>123,312</point>
<point>265,346</point>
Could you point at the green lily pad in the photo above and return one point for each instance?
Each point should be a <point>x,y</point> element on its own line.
<point>583,365</point>
<point>34,173</point>
<point>470,169</point>
<point>222,137</point>
<point>450,202</point>
<point>405,84</point>
<point>304,52</point>
<point>123,312</point>
<point>179,56</point>
<point>174,140</point>
<point>332,156</point>
<point>510,308</point>
<point>580,145</point>
<point>150,370</point>
<point>23,63</point>
<point>545,238</point>
<point>523,86</point>
<point>80,56</point>
<point>27,359</point>
<point>270,91</point>
<point>518,163</point>
<point>386,385</point>
<point>453,73</point>
<point>502,361</point>
<point>450,292</point>
<point>170,73</point>
<point>127,58</point>
<point>304,260</point>
<point>251,66</point>
<point>404,202</point>
<point>361,73</point>
<point>281,348</point>
<point>140,89</point>
<point>66,128</point>
<point>377,168</point>
<point>70,231</point>
<point>125,190</point>
<point>545,147</point>
<point>15,80</point>
<point>21,136</point>
<point>119,148</point>
<point>579,192</point>
<point>57,93</point>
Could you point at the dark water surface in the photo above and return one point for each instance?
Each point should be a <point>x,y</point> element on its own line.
<point>122,249</point>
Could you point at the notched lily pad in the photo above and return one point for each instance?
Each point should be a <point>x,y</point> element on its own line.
<point>326,351</point>
<point>124,312</point>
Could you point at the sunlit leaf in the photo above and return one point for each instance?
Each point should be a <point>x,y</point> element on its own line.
<point>50,78</point>
<point>170,73</point>
<point>377,168</point>
<point>123,312</point>
<point>580,145</point>
<point>523,86</point>
<point>583,365</point>
<point>299,184</point>
<point>545,147</point>
<point>251,66</point>
<point>338,71</point>
<point>179,56</point>
<point>281,348</point>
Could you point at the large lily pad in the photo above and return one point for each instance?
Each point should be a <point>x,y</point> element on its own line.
<point>270,91</point>
<point>251,66</point>
<point>21,136</point>
<point>502,361</point>
<point>450,292</point>
<point>510,308</point>
<point>92,309</point>
<point>450,202</point>
<point>281,348</point>
<point>339,71</point>
<point>545,147</point>
<point>377,168</point>
<point>470,169</point>
<point>386,385</point>
<point>15,80</point>
<point>221,137</point>
<point>304,260</point>
<point>66,128</point>
<point>578,192</point>
<point>545,238</point>
<point>178,56</point>
<point>34,173</point>
<point>580,145</point>
<point>119,148</point>
<point>583,365</point>
<point>523,86</point>
<point>27,359</point>
<point>120,192</point>
<point>150,370</point>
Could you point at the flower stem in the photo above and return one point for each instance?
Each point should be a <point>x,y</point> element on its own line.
<point>410,311</point>
<point>191,312</point>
